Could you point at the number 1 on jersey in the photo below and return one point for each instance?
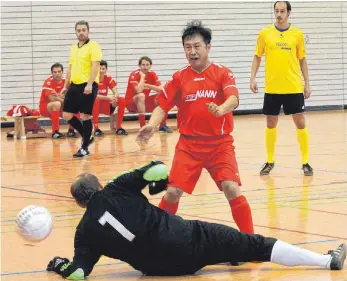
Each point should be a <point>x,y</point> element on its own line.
<point>116,224</point>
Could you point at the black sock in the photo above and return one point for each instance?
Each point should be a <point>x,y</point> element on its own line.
<point>87,132</point>
<point>76,124</point>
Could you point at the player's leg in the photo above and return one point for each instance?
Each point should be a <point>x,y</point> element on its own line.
<point>223,168</point>
<point>139,101</point>
<point>53,111</point>
<point>271,109</point>
<point>95,117</point>
<point>220,244</point>
<point>120,115</point>
<point>86,109</point>
<point>71,104</point>
<point>151,104</point>
<point>184,174</point>
<point>295,106</point>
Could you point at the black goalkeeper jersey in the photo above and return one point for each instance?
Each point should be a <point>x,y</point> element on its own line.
<point>120,223</point>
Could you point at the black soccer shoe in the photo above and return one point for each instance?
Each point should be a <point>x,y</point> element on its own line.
<point>81,153</point>
<point>308,171</point>
<point>267,168</point>
<point>338,257</point>
<point>121,132</point>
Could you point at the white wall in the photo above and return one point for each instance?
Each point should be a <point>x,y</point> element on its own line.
<point>35,35</point>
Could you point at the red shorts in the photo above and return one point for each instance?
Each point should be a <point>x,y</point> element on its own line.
<point>44,112</point>
<point>217,156</point>
<point>149,101</point>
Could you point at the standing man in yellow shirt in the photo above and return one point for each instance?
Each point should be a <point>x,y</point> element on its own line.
<point>81,85</point>
<point>283,45</point>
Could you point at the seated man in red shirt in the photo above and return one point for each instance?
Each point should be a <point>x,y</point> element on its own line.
<point>138,99</point>
<point>105,104</point>
<point>51,100</point>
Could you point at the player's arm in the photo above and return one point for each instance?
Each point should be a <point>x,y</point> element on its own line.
<point>53,96</point>
<point>67,81</point>
<point>154,87</point>
<point>259,51</point>
<point>96,56</point>
<point>83,262</point>
<point>141,84</point>
<point>301,53</point>
<point>137,179</point>
<point>231,95</point>
<point>115,92</point>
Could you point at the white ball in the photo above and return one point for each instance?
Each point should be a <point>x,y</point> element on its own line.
<point>34,223</point>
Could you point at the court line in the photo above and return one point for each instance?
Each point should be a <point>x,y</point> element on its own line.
<point>119,263</point>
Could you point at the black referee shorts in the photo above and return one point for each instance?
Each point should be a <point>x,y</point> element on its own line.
<point>292,103</point>
<point>76,101</point>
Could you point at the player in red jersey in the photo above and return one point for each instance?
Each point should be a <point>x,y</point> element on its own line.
<point>140,84</point>
<point>205,94</point>
<point>107,104</point>
<point>51,100</point>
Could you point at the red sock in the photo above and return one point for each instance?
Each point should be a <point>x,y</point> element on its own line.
<point>78,116</point>
<point>95,113</point>
<point>168,207</point>
<point>242,214</point>
<point>142,119</point>
<point>55,120</point>
<point>120,114</point>
<point>164,121</point>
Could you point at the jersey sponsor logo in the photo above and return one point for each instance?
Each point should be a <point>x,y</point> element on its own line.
<point>102,91</point>
<point>283,46</point>
<point>199,79</point>
<point>201,94</point>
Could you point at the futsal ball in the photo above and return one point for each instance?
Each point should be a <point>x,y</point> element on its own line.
<point>34,223</point>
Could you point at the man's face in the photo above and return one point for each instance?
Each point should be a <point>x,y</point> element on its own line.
<point>82,32</point>
<point>281,13</point>
<point>145,66</point>
<point>196,52</point>
<point>57,73</point>
<point>103,69</point>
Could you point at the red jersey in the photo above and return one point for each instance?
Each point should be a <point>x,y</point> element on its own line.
<point>191,91</point>
<point>48,87</point>
<point>134,79</point>
<point>105,84</point>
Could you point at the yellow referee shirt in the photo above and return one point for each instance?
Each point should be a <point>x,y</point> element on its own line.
<point>81,61</point>
<point>282,51</point>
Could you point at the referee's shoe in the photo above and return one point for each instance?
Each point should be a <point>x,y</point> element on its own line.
<point>83,151</point>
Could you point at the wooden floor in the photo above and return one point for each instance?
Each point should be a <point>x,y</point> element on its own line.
<point>307,211</point>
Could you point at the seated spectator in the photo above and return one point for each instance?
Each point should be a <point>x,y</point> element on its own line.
<point>105,104</point>
<point>140,84</point>
<point>51,100</point>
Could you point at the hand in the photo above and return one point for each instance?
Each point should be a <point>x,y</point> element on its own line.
<point>56,264</point>
<point>307,91</point>
<point>114,101</point>
<point>215,109</point>
<point>158,186</point>
<point>145,133</point>
<point>142,75</point>
<point>146,86</point>
<point>63,91</point>
<point>88,90</point>
<point>253,86</point>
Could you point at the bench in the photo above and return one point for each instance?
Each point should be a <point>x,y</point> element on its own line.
<point>19,128</point>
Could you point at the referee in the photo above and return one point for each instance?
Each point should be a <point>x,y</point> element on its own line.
<point>81,85</point>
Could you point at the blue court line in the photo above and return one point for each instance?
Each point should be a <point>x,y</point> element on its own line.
<point>119,263</point>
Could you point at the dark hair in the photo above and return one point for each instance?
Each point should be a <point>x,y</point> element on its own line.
<point>84,187</point>
<point>57,64</point>
<point>145,58</point>
<point>103,62</point>
<point>289,7</point>
<point>82,22</point>
<point>194,28</point>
